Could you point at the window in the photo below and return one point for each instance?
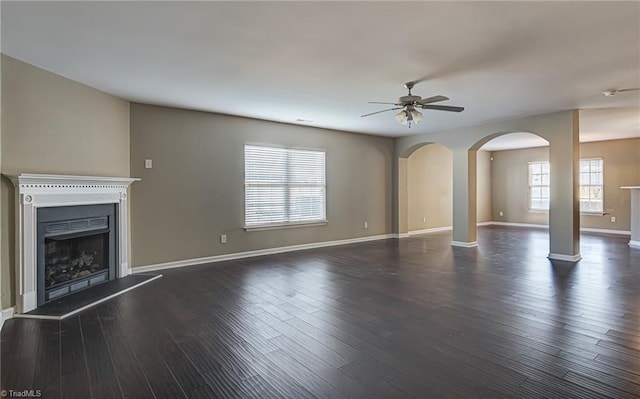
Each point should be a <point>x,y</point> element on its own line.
<point>591,190</point>
<point>283,186</point>
<point>539,186</point>
<point>591,186</point>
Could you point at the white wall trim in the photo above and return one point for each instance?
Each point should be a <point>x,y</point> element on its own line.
<point>6,315</point>
<point>431,230</point>
<point>634,244</point>
<point>566,258</point>
<point>545,226</point>
<point>443,228</point>
<point>608,231</point>
<point>464,244</point>
<point>259,252</point>
<point>401,235</point>
<point>513,224</point>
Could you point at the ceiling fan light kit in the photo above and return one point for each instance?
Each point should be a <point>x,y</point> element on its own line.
<point>408,116</point>
<point>408,104</point>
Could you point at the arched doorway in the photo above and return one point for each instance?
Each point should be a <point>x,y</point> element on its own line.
<point>559,129</point>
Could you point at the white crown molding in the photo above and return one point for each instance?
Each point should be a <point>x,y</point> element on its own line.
<point>259,252</point>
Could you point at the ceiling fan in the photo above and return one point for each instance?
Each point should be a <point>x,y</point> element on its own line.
<point>409,103</point>
<point>613,92</point>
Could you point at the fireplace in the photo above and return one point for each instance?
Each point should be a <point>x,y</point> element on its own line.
<point>75,250</point>
<point>71,234</point>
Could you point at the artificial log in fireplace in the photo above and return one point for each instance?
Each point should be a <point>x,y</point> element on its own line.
<point>76,249</point>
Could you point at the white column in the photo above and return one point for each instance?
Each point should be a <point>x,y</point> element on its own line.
<point>635,215</point>
<point>564,209</point>
<point>27,298</point>
<point>123,231</point>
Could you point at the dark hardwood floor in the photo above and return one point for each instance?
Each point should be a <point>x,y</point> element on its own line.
<point>389,319</point>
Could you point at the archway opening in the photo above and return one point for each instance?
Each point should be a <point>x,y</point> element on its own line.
<point>516,166</point>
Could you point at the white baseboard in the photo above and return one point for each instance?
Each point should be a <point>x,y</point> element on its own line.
<point>260,252</point>
<point>443,228</point>
<point>634,244</point>
<point>546,226</point>
<point>607,231</point>
<point>401,235</point>
<point>431,230</point>
<point>513,224</point>
<point>464,244</point>
<point>566,258</point>
<point>6,314</point>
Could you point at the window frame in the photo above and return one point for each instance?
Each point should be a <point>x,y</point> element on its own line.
<point>530,186</point>
<point>600,212</point>
<point>287,186</point>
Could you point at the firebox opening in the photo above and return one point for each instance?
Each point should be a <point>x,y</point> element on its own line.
<point>76,249</point>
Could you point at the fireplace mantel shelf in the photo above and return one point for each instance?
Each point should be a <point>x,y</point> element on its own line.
<point>35,191</point>
<point>39,180</point>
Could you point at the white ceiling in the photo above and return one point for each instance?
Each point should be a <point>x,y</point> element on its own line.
<point>322,61</point>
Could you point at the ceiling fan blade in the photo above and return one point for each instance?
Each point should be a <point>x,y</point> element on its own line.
<point>377,112</point>
<point>433,99</point>
<point>443,108</point>
<point>378,102</point>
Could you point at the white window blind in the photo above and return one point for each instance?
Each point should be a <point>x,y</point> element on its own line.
<point>283,186</point>
<point>539,186</point>
<point>591,185</point>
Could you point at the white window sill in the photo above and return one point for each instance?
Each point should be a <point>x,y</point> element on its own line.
<point>286,226</point>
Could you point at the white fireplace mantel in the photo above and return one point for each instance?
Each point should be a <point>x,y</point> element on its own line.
<point>35,191</point>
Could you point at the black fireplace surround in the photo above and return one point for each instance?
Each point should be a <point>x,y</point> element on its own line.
<point>76,249</point>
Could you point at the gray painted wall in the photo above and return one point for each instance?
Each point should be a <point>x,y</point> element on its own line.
<point>430,187</point>
<point>621,167</point>
<point>54,125</point>
<point>195,191</point>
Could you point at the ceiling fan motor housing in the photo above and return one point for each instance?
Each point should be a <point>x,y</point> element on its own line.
<point>405,100</point>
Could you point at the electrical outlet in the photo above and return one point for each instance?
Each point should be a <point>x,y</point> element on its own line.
<point>501,213</point>
<point>223,239</point>
<point>613,219</point>
<point>148,163</point>
<point>366,225</point>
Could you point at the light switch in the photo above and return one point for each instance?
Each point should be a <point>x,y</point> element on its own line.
<point>148,163</point>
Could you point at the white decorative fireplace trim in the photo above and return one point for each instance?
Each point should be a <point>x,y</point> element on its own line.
<point>35,191</point>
